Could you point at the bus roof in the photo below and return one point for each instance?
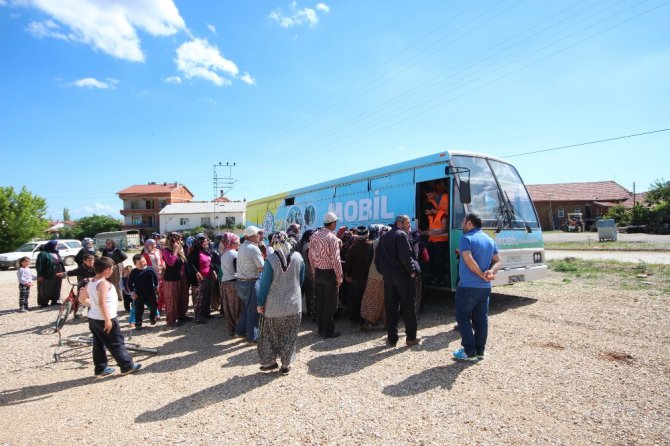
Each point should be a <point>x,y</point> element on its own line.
<point>437,158</point>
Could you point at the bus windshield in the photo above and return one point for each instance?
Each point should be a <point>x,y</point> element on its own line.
<point>498,194</point>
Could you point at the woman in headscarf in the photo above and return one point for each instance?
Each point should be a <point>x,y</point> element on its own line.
<point>215,289</point>
<point>152,254</point>
<point>280,304</point>
<point>372,304</point>
<point>88,247</point>
<point>232,305</point>
<point>309,296</point>
<point>174,261</point>
<point>110,250</point>
<point>48,265</point>
<point>202,274</point>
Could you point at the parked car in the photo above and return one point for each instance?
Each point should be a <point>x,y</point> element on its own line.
<point>66,248</point>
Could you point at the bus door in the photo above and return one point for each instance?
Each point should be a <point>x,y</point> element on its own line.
<point>433,220</point>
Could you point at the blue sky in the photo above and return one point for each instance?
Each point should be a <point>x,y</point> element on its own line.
<point>98,95</point>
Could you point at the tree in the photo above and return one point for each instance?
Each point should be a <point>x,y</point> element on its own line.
<point>620,214</point>
<point>66,214</point>
<point>89,226</point>
<point>21,217</point>
<point>659,193</point>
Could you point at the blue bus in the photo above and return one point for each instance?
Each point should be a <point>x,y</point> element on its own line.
<point>474,182</point>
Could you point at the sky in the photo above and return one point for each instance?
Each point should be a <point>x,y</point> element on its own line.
<point>99,95</point>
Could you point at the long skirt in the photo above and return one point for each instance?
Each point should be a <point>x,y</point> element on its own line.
<point>48,290</point>
<point>201,295</point>
<point>171,294</point>
<point>184,288</point>
<point>115,278</point>
<point>160,302</point>
<point>372,304</point>
<point>215,296</point>
<point>232,305</point>
<point>277,337</point>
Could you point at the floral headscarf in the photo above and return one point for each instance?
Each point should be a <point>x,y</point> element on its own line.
<point>228,240</point>
<point>282,247</point>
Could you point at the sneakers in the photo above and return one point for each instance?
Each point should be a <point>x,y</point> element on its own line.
<point>109,371</point>
<point>23,310</point>
<point>284,370</point>
<point>460,355</point>
<point>133,368</point>
<point>480,356</point>
<point>268,367</point>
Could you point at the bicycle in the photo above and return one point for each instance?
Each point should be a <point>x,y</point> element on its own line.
<point>69,305</point>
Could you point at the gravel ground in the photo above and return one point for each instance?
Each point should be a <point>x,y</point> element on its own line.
<point>577,361</point>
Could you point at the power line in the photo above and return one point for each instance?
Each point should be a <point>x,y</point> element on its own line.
<point>586,143</point>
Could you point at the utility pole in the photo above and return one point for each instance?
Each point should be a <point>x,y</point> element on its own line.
<point>222,185</point>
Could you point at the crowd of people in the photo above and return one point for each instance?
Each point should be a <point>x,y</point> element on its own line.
<point>264,284</point>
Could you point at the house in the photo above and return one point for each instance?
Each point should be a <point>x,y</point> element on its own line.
<point>210,214</point>
<point>554,202</point>
<point>143,202</point>
<point>57,227</point>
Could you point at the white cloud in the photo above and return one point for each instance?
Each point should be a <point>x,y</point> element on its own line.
<point>295,16</point>
<point>199,59</point>
<point>98,208</point>
<point>173,80</point>
<point>212,28</point>
<point>108,26</point>
<point>90,82</point>
<point>248,79</point>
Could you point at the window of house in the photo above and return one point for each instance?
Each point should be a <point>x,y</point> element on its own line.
<point>205,221</point>
<point>149,204</point>
<point>163,203</point>
<point>230,222</point>
<point>134,204</point>
<point>577,211</point>
<point>137,220</point>
<point>561,213</point>
<point>183,221</point>
<point>148,221</point>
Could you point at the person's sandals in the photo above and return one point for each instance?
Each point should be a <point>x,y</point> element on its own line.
<point>268,367</point>
<point>284,370</point>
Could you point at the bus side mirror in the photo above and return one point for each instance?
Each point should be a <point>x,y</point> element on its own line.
<point>464,191</point>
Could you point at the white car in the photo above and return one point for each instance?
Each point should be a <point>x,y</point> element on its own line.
<point>66,248</point>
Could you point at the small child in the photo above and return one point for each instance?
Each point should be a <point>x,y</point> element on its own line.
<point>143,284</point>
<point>128,303</point>
<point>26,278</point>
<point>84,273</point>
<point>100,295</point>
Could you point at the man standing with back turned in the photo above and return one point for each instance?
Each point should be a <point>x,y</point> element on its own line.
<point>324,257</point>
<point>394,261</point>
<point>477,269</point>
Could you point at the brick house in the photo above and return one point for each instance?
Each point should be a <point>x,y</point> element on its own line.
<point>142,203</point>
<point>593,199</point>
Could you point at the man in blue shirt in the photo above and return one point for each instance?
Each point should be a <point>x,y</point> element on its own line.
<point>477,269</point>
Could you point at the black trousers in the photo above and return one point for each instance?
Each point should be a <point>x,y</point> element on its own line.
<point>148,300</point>
<point>355,291</point>
<point>112,341</point>
<point>325,289</point>
<point>399,292</point>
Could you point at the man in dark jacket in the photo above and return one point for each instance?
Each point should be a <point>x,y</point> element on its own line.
<point>394,261</point>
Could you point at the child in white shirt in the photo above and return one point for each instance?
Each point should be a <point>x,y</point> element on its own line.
<point>26,277</point>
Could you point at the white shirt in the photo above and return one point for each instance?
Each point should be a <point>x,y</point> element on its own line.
<point>110,303</point>
<point>227,267</point>
<point>25,276</point>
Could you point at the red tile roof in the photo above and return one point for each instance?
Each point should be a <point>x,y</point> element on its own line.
<point>639,199</point>
<point>220,199</point>
<point>155,188</point>
<point>593,191</point>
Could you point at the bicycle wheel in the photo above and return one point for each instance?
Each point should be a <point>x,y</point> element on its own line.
<point>63,314</point>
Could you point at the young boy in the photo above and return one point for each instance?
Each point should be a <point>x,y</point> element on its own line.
<point>100,296</point>
<point>26,278</point>
<point>143,284</point>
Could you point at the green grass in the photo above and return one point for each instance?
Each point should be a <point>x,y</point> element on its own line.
<point>635,276</point>
<point>595,245</point>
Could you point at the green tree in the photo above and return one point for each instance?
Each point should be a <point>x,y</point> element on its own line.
<point>89,226</point>
<point>659,193</point>
<point>620,214</point>
<point>21,217</point>
<point>640,215</point>
<point>66,214</point>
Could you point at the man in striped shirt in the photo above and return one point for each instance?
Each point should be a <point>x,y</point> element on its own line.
<point>324,257</point>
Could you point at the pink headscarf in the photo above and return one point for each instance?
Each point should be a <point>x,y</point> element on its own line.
<point>228,240</point>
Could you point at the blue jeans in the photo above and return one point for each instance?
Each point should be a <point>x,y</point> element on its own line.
<point>247,324</point>
<point>472,316</point>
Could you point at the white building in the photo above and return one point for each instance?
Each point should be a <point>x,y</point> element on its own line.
<point>186,216</point>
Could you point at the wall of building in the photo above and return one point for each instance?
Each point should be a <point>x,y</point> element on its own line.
<point>174,222</point>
